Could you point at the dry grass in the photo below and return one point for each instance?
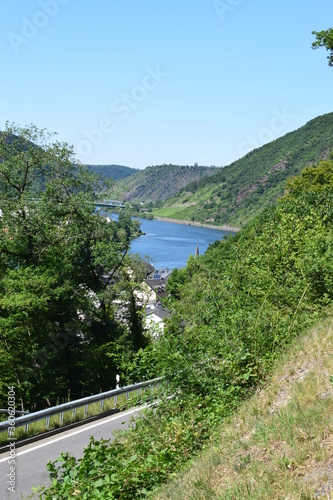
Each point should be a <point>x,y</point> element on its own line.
<point>279,445</point>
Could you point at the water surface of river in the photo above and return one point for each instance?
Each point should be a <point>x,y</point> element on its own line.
<point>170,245</point>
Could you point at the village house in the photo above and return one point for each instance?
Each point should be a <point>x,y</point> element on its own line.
<point>157,281</point>
<point>154,319</point>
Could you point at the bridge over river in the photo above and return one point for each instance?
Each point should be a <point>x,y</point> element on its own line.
<point>109,204</point>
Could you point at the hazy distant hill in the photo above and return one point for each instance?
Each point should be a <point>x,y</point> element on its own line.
<point>239,191</point>
<point>162,181</point>
<point>117,172</point>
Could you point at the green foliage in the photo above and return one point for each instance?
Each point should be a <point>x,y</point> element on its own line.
<point>315,178</point>
<point>324,39</point>
<point>234,310</point>
<point>61,268</point>
<point>176,282</point>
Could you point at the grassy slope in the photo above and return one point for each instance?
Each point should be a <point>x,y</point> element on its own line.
<point>280,442</point>
<point>161,182</point>
<point>239,191</point>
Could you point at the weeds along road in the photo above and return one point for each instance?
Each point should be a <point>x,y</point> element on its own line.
<point>31,459</point>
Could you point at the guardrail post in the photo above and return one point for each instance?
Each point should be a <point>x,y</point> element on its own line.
<point>61,418</point>
<point>86,410</point>
<point>26,427</point>
<point>47,424</point>
<point>115,401</point>
<point>74,412</point>
<point>101,404</point>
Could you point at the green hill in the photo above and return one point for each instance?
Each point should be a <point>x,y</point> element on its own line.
<point>236,310</point>
<point>161,181</point>
<point>239,191</point>
<point>116,172</point>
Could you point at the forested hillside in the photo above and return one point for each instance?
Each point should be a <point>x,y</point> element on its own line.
<point>235,309</point>
<point>242,189</point>
<point>161,181</point>
<point>116,172</point>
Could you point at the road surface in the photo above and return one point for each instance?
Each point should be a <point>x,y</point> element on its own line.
<point>30,460</point>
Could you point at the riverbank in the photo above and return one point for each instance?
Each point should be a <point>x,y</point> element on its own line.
<point>198,224</point>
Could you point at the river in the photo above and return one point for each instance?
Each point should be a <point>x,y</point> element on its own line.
<point>169,245</point>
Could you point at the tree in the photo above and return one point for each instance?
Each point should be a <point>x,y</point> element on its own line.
<point>61,266</point>
<point>313,178</point>
<point>324,39</point>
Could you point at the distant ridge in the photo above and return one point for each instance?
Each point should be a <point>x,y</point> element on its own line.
<point>116,172</point>
<point>242,189</point>
<point>160,182</point>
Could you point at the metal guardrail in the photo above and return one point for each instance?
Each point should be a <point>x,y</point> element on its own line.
<point>74,405</point>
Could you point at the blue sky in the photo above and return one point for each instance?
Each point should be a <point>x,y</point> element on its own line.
<point>148,82</point>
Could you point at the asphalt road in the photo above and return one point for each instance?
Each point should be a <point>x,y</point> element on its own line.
<point>30,460</point>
